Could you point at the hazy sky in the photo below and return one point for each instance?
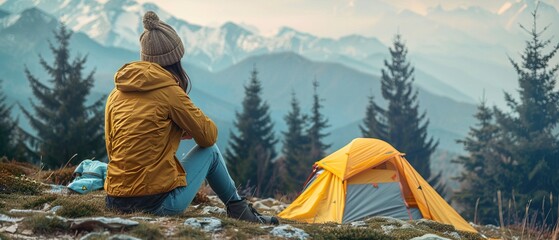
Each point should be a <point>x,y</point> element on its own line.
<point>327,18</point>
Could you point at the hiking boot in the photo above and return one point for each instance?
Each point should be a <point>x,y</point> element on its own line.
<point>242,210</point>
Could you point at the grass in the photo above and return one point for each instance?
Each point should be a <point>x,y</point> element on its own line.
<point>535,223</point>
<point>26,194</point>
<point>40,202</point>
<point>10,184</point>
<point>42,224</point>
<point>17,168</point>
<point>12,169</point>
<point>347,233</point>
<point>61,176</point>
<point>72,210</point>
<point>189,233</point>
<point>251,229</point>
<point>147,231</point>
<point>4,237</point>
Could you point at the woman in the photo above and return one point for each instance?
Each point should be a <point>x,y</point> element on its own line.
<point>146,116</point>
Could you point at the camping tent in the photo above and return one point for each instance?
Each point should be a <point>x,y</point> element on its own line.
<point>368,177</point>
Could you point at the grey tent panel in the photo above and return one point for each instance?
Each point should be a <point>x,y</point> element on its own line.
<point>415,213</point>
<point>385,199</point>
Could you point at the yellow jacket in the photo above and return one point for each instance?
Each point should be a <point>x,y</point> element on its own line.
<point>145,116</point>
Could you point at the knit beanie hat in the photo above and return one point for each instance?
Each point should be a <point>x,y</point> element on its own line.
<point>159,41</point>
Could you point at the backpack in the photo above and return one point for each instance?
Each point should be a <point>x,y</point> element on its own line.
<point>89,176</point>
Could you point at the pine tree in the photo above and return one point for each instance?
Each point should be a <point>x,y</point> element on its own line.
<point>529,128</point>
<point>317,148</point>
<point>7,125</point>
<point>484,169</point>
<point>65,125</point>
<point>295,148</point>
<point>251,150</point>
<point>406,128</point>
<point>374,124</point>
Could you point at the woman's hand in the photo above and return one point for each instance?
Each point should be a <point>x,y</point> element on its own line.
<point>186,136</point>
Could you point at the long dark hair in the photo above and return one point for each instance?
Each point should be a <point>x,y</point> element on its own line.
<point>181,76</point>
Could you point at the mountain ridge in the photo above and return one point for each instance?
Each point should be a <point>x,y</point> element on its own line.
<point>217,92</point>
<point>463,34</point>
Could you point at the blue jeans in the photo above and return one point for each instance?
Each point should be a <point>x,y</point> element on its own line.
<point>200,164</point>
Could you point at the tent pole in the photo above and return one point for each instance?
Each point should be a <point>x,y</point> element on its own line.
<point>421,189</point>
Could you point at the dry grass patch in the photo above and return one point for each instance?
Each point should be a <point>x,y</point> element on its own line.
<point>42,224</point>
<point>10,184</point>
<point>252,229</point>
<point>74,205</point>
<point>38,203</point>
<point>147,231</point>
<point>13,178</point>
<point>61,176</point>
<point>4,237</point>
<point>189,233</point>
<point>72,210</point>
<point>347,233</point>
<point>17,168</point>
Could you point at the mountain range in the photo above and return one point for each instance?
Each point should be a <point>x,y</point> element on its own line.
<point>459,53</point>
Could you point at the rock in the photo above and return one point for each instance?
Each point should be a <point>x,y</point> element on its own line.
<point>64,220</point>
<point>358,224</point>
<point>55,209</point>
<point>429,236</point>
<point>214,210</point>
<point>122,237</point>
<point>387,229</point>
<point>266,226</point>
<point>46,207</point>
<point>6,218</point>
<point>213,198</point>
<point>11,229</point>
<point>92,223</point>
<point>206,224</point>
<point>278,208</point>
<point>145,219</point>
<point>57,189</point>
<point>288,231</point>
<point>270,202</point>
<point>453,234</point>
<point>27,232</point>
<point>27,211</point>
<point>261,206</point>
<point>95,235</point>
<point>394,222</point>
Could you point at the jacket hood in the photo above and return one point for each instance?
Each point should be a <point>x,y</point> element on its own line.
<point>143,76</point>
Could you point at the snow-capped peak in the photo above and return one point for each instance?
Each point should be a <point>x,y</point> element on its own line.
<point>506,6</point>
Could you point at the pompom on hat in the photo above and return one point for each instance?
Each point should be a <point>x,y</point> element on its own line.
<point>160,43</point>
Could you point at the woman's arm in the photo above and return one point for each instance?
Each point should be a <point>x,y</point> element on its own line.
<point>191,119</point>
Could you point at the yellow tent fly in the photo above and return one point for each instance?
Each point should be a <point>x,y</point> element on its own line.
<point>368,177</point>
